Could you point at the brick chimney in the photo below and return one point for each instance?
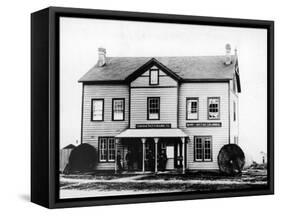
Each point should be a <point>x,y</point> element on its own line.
<point>102,57</point>
<point>228,54</point>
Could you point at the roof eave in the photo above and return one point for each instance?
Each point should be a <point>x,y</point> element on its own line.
<point>90,82</point>
<point>206,80</point>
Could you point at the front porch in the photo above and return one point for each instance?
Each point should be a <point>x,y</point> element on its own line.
<point>151,150</point>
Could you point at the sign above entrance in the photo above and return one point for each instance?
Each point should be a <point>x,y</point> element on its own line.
<point>143,126</point>
<point>204,124</point>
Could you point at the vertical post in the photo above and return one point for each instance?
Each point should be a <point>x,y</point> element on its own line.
<point>143,153</point>
<point>186,149</point>
<point>183,154</point>
<point>116,143</point>
<point>156,149</point>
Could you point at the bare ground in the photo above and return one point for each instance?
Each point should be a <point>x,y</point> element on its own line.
<point>109,184</point>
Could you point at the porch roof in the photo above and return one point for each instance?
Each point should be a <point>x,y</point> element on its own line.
<point>151,133</point>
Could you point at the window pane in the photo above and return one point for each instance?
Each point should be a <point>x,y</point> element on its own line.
<point>97,106</point>
<point>213,106</point>
<point>192,109</point>
<point>154,77</point>
<point>207,149</point>
<point>111,149</point>
<point>198,149</point>
<point>118,109</point>
<point>103,149</point>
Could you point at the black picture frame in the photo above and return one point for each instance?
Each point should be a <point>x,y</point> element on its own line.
<point>45,104</point>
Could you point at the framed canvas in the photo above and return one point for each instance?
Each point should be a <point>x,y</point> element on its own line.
<point>138,107</point>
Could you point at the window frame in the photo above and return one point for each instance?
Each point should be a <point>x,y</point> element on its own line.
<point>186,106</point>
<point>219,108</point>
<point>92,112</point>
<point>150,70</point>
<point>203,149</point>
<point>112,110</point>
<point>147,108</point>
<point>107,160</point>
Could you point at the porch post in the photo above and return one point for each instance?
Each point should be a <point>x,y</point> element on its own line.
<point>156,142</point>
<point>183,154</point>
<point>116,143</point>
<point>143,153</point>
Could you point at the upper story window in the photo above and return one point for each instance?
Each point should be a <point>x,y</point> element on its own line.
<point>153,108</point>
<point>118,109</point>
<point>97,110</point>
<point>213,108</point>
<point>192,108</point>
<point>153,77</point>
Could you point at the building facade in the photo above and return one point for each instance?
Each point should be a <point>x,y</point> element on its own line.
<point>183,107</point>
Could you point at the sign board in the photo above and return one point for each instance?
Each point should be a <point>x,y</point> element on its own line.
<point>204,124</point>
<point>143,126</point>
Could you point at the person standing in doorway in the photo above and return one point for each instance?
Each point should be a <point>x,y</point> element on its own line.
<point>119,165</point>
<point>162,160</point>
<point>129,160</point>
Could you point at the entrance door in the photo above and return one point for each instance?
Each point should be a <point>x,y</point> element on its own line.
<point>149,155</point>
<point>178,154</point>
<point>170,151</point>
<point>135,148</point>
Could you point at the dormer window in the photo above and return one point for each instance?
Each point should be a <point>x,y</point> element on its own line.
<point>153,77</point>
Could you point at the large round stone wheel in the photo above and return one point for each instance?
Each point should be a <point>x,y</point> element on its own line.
<point>231,159</point>
<point>82,159</point>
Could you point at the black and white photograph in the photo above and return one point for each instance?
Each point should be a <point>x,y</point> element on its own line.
<point>151,108</point>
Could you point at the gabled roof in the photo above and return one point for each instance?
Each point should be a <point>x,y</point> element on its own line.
<point>121,69</point>
<point>152,62</point>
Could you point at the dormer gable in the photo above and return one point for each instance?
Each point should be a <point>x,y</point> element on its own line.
<point>153,73</point>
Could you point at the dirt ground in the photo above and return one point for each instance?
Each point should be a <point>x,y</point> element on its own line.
<point>99,184</point>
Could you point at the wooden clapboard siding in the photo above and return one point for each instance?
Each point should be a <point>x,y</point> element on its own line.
<point>94,129</point>
<point>164,80</point>
<point>219,134</point>
<point>234,125</point>
<point>168,105</point>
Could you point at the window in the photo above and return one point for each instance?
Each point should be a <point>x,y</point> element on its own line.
<point>153,77</point>
<point>213,108</point>
<point>153,108</point>
<point>106,149</point>
<point>118,109</point>
<point>234,111</point>
<point>97,110</point>
<point>203,148</point>
<point>192,108</point>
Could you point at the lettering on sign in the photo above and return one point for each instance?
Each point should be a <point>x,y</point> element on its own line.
<point>204,124</point>
<point>144,126</point>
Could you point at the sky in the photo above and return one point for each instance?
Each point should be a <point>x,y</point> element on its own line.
<point>80,39</point>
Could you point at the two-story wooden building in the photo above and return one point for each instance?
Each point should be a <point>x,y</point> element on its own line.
<point>185,106</point>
